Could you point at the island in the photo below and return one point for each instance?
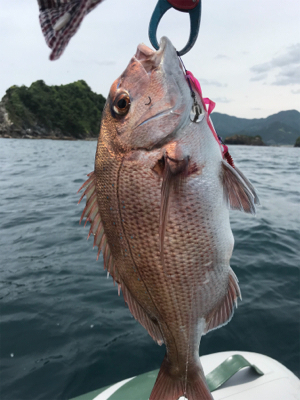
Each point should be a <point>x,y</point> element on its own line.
<point>73,112</point>
<point>245,140</point>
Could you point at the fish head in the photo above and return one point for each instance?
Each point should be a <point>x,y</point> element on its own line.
<point>149,102</point>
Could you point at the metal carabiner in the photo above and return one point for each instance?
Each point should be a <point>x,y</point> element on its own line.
<point>193,7</point>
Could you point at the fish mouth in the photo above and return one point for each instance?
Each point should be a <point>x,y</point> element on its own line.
<point>149,58</point>
<point>160,114</point>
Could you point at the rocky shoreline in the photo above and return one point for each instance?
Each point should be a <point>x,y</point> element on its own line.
<point>66,112</point>
<point>74,111</point>
<point>8,130</point>
<point>245,140</point>
<point>49,137</point>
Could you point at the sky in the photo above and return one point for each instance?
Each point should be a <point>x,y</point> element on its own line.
<point>247,56</point>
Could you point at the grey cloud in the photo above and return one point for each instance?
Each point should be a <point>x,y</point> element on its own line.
<point>297,91</point>
<point>213,83</point>
<point>222,100</point>
<point>288,63</point>
<point>258,69</point>
<point>289,75</point>
<point>292,56</point>
<point>259,77</point>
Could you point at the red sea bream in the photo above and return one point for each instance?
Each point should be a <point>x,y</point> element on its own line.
<point>158,202</point>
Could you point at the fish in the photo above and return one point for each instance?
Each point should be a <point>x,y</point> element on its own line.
<point>158,203</point>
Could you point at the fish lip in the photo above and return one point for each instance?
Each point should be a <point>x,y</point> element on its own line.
<point>158,58</point>
<point>161,113</point>
<point>144,54</point>
<point>163,44</point>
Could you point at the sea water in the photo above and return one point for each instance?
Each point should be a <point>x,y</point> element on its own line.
<point>65,331</point>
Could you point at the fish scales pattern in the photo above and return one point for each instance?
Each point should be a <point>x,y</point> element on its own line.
<point>107,202</point>
<point>141,223</point>
<point>189,244</point>
<point>111,206</point>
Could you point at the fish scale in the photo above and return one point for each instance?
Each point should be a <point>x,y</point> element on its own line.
<point>188,231</point>
<point>163,193</point>
<point>109,197</point>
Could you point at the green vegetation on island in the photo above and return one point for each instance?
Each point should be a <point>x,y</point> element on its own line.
<point>246,140</point>
<point>297,143</point>
<point>282,128</point>
<point>74,111</point>
<point>71,110</point>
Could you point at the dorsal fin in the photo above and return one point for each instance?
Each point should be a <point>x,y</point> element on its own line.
<point>223,314</point>
<point>91,213</point>
<point>239,194</point>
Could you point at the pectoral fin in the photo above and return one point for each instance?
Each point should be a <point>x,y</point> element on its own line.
<point>173,173</point>
<point>239,194</point>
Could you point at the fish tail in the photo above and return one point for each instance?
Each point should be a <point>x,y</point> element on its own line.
<point>170,385</point>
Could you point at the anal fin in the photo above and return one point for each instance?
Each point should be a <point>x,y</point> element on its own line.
<point>140,314</point>
<point>223,314</point>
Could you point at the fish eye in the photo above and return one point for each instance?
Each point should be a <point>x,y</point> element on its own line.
<point>122,103</point>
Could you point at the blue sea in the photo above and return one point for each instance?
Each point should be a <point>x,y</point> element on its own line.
<point>65,331</point>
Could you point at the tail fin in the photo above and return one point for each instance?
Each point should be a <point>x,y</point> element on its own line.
<point>170,386</point>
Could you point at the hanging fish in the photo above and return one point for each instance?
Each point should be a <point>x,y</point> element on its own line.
<point>158,202</point>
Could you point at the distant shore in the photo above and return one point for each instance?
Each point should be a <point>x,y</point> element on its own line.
<point>67,138</point>
<point>74,112</point>
<point>5,136</point>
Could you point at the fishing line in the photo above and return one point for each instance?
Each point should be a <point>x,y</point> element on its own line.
<point>196,114</point>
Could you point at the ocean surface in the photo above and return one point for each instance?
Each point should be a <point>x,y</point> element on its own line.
<point>64,330</point>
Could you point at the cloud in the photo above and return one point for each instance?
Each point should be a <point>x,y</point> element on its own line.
<point>213,83</point>
<point>289,75</point>
<point>222,100</point>
<point>258,69</point>
<point>259,77</point>
<point>288,64</point>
